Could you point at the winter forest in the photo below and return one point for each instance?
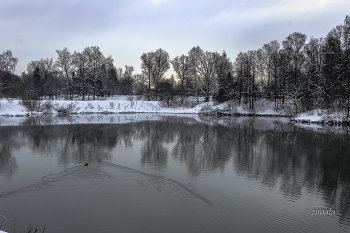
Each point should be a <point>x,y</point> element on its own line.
<point>306,73</point>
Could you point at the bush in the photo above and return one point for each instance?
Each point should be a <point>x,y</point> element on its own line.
<point>178,101</point>
<point>208,110</point>
<point>46,107</point>
<point>31,105</point>
<point>65,109</point>
<point>111,105</point>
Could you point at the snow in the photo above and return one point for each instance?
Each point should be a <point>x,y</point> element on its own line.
<point>11,107</point>
<point>322,116</point>
<point>2,231</point>
<point>311,116</point>
<point>126,104</point>
<point>13,113</point>
<point>120,104</point>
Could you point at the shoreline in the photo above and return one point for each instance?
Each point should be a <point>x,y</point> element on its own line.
<point>130,105</point>
<point>218,114</point>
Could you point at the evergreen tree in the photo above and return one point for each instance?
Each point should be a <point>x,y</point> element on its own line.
<point>38,87</point>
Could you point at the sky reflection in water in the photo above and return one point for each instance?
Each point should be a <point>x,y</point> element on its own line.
<point>174,174</point>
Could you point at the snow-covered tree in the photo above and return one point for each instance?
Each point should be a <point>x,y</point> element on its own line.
<point>65,65</point>
<point>223,67</point>
<point>313,71</point>
<point>161,65</point>
<point>346,61</point>
<point>96,60</point>
<point>294,44</point>
<point>126,82</point>
<point>154,65</point>
<point>182,67</point>
<point>7,66</point>
<point>203,69</point>
<point>139,81</point>
<point>8,62</point>
<point>147,67</point>
<point>81,62</point>
<point>46,70</point>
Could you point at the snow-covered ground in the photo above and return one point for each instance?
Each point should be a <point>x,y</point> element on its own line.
<point>128,104</point>
<point>321,116</point>
<point>121,104</point>
<point>125,104</point>
<point>11,107</point>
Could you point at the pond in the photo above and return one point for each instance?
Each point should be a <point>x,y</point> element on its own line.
<point>158,173</point>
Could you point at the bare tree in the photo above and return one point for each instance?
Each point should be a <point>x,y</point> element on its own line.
<point>96,60</point>
<point>294,44</point>
<point>182,67</point>
<point>45,68</point>
<point>8,62</point>
<point>7,67</point>
<point>138,83</point>
<point>313,68</point>
<point>239,70</point>
<point>110,79</point>
<point>128,71</point>
<point>147,67</point>
<point>154,65</point>
<point>346,61</point>
<point>269,54</point>
<point>161,65</point>
<point>193,55</point>
<point>223,67</point>
<point>126,82</point>
<point>81,62</point>
<point>203,68</point>
<point>64,62</point>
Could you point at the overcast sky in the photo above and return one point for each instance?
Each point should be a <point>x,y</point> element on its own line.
<point>127,28</point>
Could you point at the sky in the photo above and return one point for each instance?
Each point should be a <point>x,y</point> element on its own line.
<point>125,29</point>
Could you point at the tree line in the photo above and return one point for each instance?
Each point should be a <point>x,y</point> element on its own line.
<point>313,74</point>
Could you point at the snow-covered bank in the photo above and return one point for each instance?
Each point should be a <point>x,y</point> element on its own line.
<point>121,104</point>
<point>125,104</point>
<point>319,116</point>
<point>129,104</point>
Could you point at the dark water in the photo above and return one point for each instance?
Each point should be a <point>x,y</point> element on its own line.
<point>174,174</point>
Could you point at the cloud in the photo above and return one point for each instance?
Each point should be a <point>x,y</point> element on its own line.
<point>258,11</point>
<point>127,28</point>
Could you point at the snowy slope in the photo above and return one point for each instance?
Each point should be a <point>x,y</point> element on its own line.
<point>128,104</point>
<point>125,104</point>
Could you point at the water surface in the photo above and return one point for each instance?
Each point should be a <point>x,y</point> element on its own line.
<point>173,174</point>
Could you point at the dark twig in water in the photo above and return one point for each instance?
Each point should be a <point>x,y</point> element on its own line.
<point>2,219</point>
<point>14,225</point>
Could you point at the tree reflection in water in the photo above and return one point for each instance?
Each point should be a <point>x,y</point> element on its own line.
<point>9,142</point>
<point>276,154</point>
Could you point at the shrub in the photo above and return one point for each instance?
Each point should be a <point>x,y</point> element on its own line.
<point>31,105</point>
<point>112,105</point>
<point>65,109</point>
<point>90,106</point>
<point>208,110</point>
